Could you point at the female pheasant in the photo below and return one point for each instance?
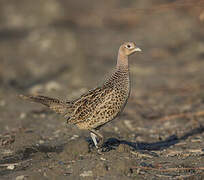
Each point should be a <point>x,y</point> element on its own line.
<point>100,105</point>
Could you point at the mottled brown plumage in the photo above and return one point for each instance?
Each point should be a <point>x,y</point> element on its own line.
<point>100,105</point>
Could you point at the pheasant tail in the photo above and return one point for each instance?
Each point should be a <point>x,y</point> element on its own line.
<point>53,103</point>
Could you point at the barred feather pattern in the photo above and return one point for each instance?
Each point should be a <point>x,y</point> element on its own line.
<point>96,107</point>
<point>102,104</point>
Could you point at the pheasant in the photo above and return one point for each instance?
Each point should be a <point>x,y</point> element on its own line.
<point>100,105</point>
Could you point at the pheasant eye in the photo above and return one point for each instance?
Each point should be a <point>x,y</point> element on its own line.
<point>128,46</point>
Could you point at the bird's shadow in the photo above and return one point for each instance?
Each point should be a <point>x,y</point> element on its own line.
<point>113,143</point>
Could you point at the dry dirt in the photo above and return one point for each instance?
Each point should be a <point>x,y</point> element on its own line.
<point>63,48</point>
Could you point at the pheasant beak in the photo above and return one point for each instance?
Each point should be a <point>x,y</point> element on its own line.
<point>137,49</point>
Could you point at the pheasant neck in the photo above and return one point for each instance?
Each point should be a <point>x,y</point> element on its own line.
<point>122,62</point>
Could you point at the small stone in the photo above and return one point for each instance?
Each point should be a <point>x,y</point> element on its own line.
<point>74,137</point>
<point>11,166</point>
<point>103,159</point>
<point>22,115</point>
<point>2,103</point>
<point>22,177</point>
<point>116,129</point>
<point>86,174</point>
<point>52,85</point>
<point>41,142</point>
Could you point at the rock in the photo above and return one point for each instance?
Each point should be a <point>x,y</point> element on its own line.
<point>11,166</point>
<point>86,174</point>
<point>2,103</point>
<point>52,85</point>
<point>23,115</point>
<point>22,177</point>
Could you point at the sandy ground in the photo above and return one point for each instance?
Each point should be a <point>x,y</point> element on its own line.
<point>62,49</point>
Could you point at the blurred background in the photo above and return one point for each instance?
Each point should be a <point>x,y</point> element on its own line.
<point>69,45</point>
<point>63,48</point>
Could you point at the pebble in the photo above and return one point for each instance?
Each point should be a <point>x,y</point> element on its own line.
<point>22,177</point>
<point>74,136</point>
<point>41,142</point>
<point>116,129</point>
<point>22,115</point>
<point>2,103</point>
<point>52,85</point>
<point>103,159</point>
<point>86,174</point>
<point>11,166</point>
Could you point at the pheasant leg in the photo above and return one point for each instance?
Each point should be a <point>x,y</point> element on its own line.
<point>94,135</point>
